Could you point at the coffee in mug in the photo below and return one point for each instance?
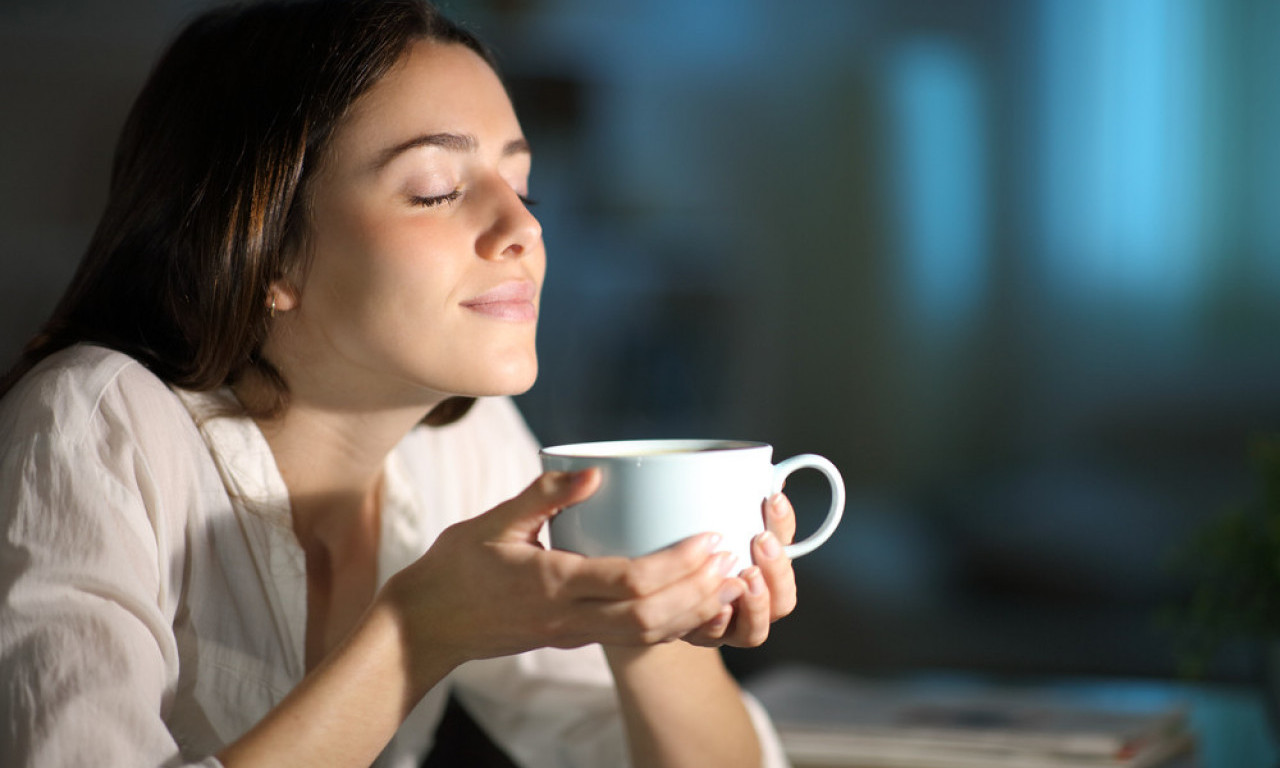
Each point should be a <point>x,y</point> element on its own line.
<point>655,493</point>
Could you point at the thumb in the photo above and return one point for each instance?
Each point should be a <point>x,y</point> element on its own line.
<point>521,518</point>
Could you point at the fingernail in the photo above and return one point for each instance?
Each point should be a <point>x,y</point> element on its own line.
<point>769,545</point>
<point>711,541</point>
<point>725,563</point>
<point>775,506</point>
<point>755,581</point>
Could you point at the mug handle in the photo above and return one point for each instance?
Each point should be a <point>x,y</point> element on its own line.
<point>783,469</point>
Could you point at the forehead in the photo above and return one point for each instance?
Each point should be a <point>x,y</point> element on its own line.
<point>434,87</point>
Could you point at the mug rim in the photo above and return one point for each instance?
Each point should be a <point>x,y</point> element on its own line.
<point>658,449</point>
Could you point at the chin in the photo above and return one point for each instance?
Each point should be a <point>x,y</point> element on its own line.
<point>508,381</point>
<point>519,385</point>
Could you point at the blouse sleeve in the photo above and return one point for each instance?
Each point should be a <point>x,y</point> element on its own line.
<point>88,657</point>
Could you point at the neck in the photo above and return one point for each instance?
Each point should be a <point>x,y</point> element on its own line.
<point>331,459</point>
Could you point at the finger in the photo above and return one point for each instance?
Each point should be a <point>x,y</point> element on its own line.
<point>711,634</point>
<point>776,571</point>
<point>780,517</point>
<point>521,518</point>
<point>752,613</point>
<point>616,578</point>
<point>677,609</point>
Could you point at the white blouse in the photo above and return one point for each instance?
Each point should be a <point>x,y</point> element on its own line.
<point>153,594</point>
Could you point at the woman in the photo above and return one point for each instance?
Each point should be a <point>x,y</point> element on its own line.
<point>247,462</point>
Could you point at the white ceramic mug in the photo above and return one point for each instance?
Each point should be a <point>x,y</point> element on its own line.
<point>656,492</point>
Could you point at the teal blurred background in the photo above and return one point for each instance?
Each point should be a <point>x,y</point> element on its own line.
<point>1011,264</point>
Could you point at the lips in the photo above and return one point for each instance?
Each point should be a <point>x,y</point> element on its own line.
<point>512,301</point>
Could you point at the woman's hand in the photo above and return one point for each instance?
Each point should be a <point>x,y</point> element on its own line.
<point>703,721</point>
<point>488,588</point>
<point>771,585</point>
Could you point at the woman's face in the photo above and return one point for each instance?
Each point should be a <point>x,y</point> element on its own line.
<point>426,265</point>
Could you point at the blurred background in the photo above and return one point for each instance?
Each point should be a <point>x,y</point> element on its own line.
<point>1011,264</point>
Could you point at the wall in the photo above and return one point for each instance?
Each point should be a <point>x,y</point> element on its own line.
<point>1009,264</point>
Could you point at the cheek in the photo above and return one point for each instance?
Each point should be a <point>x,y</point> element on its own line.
<point>411,269</point>
<point>370,262</point>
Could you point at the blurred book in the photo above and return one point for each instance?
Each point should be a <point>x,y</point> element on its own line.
<point>834,721</point>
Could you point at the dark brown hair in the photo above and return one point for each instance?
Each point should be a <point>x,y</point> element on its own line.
<point>208,203</point>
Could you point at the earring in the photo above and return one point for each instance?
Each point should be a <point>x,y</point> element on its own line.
<point>272,311</point>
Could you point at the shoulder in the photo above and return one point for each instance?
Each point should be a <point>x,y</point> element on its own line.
<point>95,445</point>
<point>99,479</point>
<point>69,394</point>
<point>90,415</point>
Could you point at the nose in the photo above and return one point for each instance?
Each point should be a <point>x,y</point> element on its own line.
<point>513,231</point>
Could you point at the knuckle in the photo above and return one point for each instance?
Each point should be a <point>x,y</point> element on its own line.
<point>752,634</point>
<point>756,638</point>
<point>552,580</point>
<point>546,484</point>
<point>644,618</point>
<point>631,581</point>
<point>561,569</point>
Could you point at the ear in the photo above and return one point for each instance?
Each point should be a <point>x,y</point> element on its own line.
<point>282,296</point>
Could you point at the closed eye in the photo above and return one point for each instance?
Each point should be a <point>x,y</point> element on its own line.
<point>435,200</point>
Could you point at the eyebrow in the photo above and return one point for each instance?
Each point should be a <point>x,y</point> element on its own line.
<point>453,142</point>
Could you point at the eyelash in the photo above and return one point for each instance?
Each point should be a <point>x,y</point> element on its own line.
<point>432,202</point>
